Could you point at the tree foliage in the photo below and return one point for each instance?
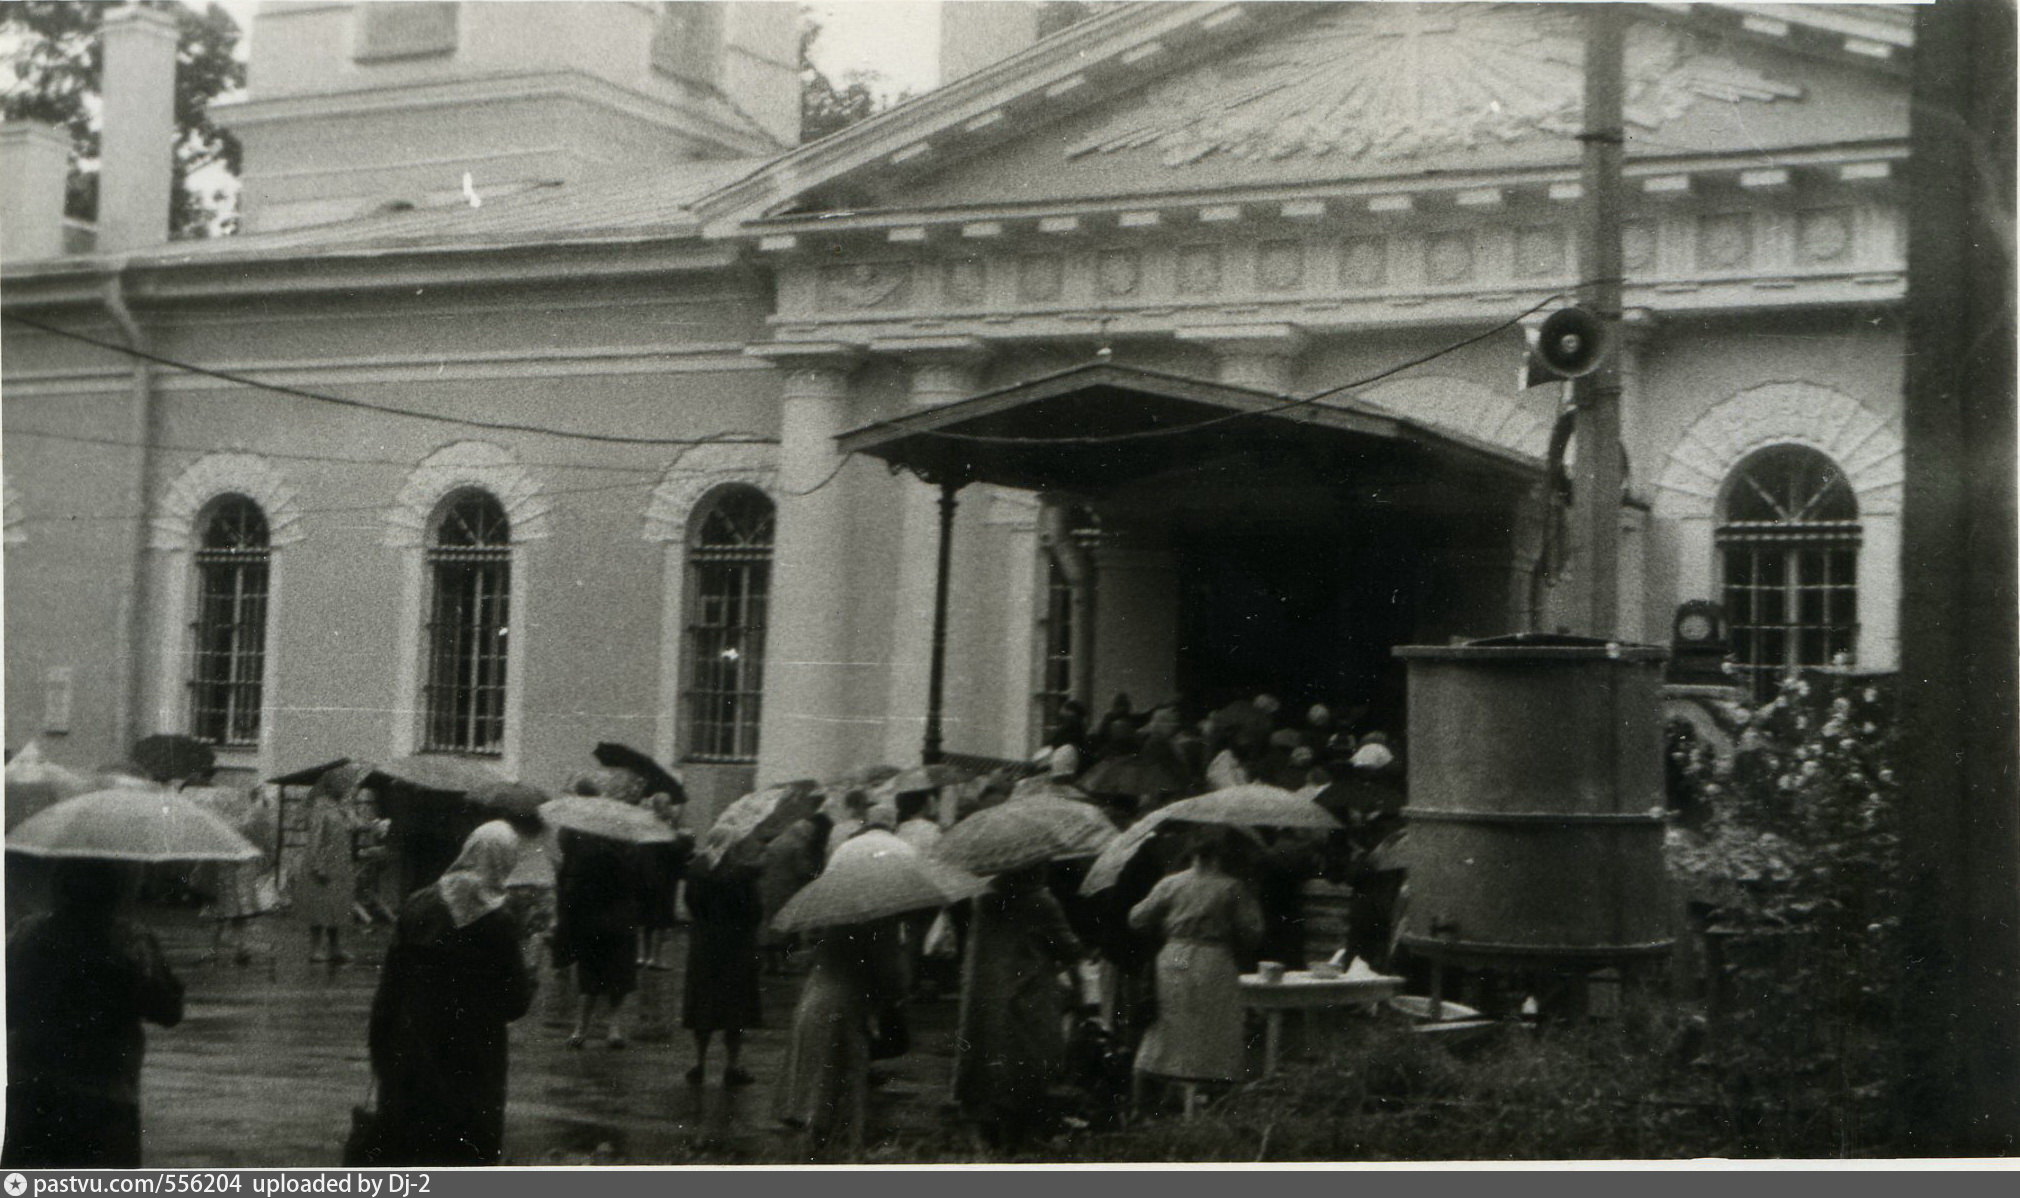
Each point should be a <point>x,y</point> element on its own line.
<point>58,66</point>
<point>824,107</point>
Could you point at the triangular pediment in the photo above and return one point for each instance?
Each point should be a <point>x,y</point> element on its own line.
<point>1298,94</point>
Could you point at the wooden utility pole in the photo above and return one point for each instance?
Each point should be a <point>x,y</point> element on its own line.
<point>1597,483</point>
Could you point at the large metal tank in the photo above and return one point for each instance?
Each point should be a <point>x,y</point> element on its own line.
<point>1536,803</point>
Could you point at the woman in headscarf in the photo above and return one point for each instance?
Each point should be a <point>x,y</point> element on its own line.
<point>1205,916</point>
<point>80,980</point>
<point>596,919</point>
<point>720,991</point>
<point>1011,1043</point>
<point>453,979</point>
<point>326,887</point>
<point>858,974</point>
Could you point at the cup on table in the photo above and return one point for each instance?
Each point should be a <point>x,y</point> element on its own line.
<point>1271,971</point>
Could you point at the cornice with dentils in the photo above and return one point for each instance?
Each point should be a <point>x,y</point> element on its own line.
<point>1087,62</point>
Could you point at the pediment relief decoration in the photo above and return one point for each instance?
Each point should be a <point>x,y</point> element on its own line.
<point>1391,82</point>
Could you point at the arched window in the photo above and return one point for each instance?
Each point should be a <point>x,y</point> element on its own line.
<point>470,561</point>
<point>1790,543</point>
<point>729,564</point>
<point>228,662</point>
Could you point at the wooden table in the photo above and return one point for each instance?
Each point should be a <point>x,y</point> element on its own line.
<point>1304,991</point>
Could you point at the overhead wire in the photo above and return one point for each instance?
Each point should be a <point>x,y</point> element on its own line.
<point>366,405</point>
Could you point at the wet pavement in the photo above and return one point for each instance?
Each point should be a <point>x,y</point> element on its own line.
<point>270,1059</point>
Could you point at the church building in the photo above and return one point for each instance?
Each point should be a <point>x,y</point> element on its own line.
<point>1179,346</point>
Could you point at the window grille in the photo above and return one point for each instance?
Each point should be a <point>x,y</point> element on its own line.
<point>228,662</point>
<point>468,628</point>
<point>729,587</point>
<point>1790,544</point>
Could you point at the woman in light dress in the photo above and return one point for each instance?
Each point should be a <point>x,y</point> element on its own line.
<point>326,886</point>
<point>1204,915</point>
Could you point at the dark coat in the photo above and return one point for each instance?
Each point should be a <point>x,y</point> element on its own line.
<point>720,991</point>
<point>438,1034</point>
<point>78,988</point>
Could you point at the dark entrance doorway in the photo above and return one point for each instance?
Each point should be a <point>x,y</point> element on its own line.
<point>1307,615</point>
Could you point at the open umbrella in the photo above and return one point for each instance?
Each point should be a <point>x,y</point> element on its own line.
<point>1006,838</point>
<point>1251,806</point>
<point>929,777</point>
<point>1239,807</point>
<point>509,800</point>
<point>608,819</point>
<point>1078,822</point>
<point>34,783</point>
<point>172,757</point>
<point>307,776</point>
<point>608,782</point>
<point>766,813</point>
<point>658,779</point>
<point>1040,786</point>
<point>449,775</point>
<point>1137,775</point>
<point>872,876</point>
<point>130,823</point>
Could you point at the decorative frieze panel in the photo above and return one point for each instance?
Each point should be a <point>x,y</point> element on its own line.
<point>1448,257</point>
<point>1040,277</point>
<point>1198,269</point>
<point>1539,250</point>
<point>1364,262</point>
<point>1811,249</point>
<point>966,280</point>
<point>1118,272</point>
<point>1823,235</point>
<point>1280,266</point>
<point>866,285</point>
<point>1724,241</point>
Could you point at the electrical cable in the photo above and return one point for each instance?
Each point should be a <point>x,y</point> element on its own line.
<point>1279,409</point>
<point>342,401</point>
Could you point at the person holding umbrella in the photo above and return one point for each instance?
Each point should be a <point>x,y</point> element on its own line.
<point>720,992</point>
<point>81,979</point>
<point>453,979</point>
<point>327,885</point>
<point>1205,916</point>
<point>857,984</point>
<point>596,908</point>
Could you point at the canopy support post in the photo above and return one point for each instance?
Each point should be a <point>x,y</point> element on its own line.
<point>936,684</point>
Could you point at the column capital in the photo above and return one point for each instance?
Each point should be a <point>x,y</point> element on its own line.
<point>952,350</point>
<point>809,355</point>
<point>1257,356</point>
<point>1278,340</point>
<point>943,369</point>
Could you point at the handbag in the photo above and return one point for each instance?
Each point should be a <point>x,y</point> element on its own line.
<point>365,1147</point>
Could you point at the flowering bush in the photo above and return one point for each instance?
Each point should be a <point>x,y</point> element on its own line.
<point>1795,862</point>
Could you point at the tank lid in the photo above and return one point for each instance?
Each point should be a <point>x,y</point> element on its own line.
<point>1535,646</point>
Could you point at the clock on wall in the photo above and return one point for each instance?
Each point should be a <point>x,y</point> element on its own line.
<point>1699,643</point>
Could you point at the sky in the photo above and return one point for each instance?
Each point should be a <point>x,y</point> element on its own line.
<point>898,39</point>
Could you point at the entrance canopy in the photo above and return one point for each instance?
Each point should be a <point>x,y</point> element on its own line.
<point>1101,427</point>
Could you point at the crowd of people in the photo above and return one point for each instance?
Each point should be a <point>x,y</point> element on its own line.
<point>1130,992</point>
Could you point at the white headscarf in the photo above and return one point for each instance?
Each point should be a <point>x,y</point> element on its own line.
<point>474,886</point>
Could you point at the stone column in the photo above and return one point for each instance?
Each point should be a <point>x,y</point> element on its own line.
<point>943,370</point>
<point>809,660</point>
<point>1261,357</point>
